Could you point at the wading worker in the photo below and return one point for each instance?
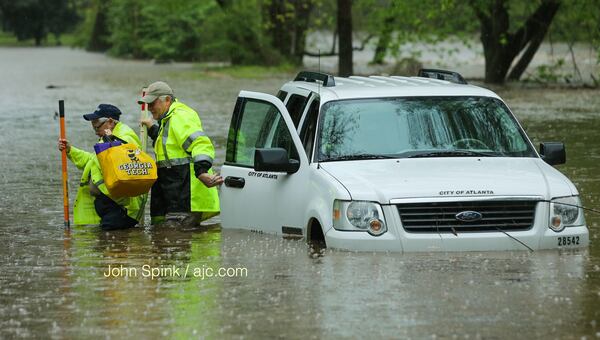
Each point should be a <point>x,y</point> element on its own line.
<point>185,192</point>
<point>94,204</point>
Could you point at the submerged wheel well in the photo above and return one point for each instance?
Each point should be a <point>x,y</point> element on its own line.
<point>315,232</point>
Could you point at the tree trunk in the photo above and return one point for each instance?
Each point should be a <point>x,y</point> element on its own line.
<point>344,26</point>
<point>494,35</point>
<point>288,22</point>
<point>303,10</point>
<point>99,39</point>
<point>279,26</point>
<point>542,23</point>
<point>517,71</point>
<point>501,47</point>
<point>384,41</point>
<point>38,36</point>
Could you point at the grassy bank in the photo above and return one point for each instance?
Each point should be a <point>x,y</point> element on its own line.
<point>246,71</point>
<point>224,70</point>
<point>7,39</point>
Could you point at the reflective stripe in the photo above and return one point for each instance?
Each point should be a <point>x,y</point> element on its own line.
<point>203,158</point>
<point>174,161</point>
<point>99,183</point>
<point>181,161</point>
<point>165,136</point>
<point>192,138</point>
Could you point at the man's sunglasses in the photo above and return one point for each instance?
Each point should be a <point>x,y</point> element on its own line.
<point>99,124</point>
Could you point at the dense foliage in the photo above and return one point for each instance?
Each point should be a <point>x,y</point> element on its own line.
<point>35,19</point>
<point>271,32</point>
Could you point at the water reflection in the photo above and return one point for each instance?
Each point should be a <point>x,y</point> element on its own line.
<point>405,126</point>
<point>136,297</point>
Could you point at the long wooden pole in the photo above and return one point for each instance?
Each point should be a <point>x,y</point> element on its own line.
<point>65,177</point>
<point>143,128</point>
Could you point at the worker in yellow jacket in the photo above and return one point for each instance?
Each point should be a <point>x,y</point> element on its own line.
<point>94,203</point>
<point>185,192</point>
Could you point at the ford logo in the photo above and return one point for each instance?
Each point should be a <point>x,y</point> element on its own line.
<point>468,216</point>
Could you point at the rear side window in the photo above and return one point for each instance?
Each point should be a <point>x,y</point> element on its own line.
<point>307,133</point>
<point>281,95</point>
<point>295,107</point>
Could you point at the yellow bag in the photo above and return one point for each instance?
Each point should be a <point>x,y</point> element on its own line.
<point>127,170</point>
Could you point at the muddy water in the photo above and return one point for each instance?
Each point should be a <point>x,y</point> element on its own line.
<point>53,284</point>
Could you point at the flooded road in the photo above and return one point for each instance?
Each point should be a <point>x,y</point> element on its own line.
<point>53,283</point>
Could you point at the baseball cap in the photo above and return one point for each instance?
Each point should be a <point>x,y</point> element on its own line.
<point>104,111</point>
<point>155,90</point>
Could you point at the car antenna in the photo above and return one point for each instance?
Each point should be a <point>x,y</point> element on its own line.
<point>514,238</point>
<point>548,201</point>
<point>319,67</point>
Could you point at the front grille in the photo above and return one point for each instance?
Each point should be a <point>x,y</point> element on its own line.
<point>440,217</point>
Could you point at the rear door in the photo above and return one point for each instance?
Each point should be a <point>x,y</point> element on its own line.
<point>262,201</point>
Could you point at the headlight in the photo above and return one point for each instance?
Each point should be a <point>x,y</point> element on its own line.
<point>359,216</point>
<point>565,212</point>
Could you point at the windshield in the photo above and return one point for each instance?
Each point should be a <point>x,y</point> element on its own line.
<point>419,127</point>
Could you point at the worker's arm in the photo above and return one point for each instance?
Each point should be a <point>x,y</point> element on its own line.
<point>192,138</point>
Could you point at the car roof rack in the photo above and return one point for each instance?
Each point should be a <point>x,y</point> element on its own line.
<point>453,77</point>
<point>312,77</point>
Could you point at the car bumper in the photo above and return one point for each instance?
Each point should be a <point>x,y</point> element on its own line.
<point>570,238</point>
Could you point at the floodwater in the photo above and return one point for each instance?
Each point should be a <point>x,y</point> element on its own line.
<point>53,284</point>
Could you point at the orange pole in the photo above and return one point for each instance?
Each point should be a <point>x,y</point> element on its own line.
<point>65,177</point>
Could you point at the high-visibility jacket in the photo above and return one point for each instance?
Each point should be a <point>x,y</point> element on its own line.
<point>83,209</point>
<point>180,143</point>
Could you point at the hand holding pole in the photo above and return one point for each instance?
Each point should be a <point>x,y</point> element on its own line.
<point>65,177</point>
<point>143,128</point>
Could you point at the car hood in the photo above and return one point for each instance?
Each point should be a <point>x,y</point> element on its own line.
<point>388,179</point>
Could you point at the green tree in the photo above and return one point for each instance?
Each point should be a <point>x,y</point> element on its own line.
<point>93,33</point>
<point>246,38</point>
<point>36,19</point>
<point>505,41</point>
<point>586,15</point>
<point>267,31</point>
<point>395,23</point>
<point>510,31</point>
<point>162,30</point>
<point>287,23</point>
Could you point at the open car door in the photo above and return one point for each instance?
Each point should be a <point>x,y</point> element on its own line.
<point>264,201</point>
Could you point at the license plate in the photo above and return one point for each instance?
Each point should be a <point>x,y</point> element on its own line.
<point>566,241</point>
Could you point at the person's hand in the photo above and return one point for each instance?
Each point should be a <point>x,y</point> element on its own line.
<point>64,144</point>
<point>210,180</point>
<point>147,121</point>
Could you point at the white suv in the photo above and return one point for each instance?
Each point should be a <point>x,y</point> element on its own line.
<point>424,163</point>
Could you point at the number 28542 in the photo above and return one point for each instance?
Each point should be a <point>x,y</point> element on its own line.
<point>568,241</point>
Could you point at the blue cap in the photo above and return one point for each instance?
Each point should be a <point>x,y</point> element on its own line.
<point>104,111</point>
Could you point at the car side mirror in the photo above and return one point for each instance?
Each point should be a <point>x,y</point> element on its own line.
<point>553,153</point>
<point>274,160</point>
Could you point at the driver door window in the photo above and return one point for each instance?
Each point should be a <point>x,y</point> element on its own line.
<point>260,125</point>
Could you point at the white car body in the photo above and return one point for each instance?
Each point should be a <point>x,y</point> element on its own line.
<point>296,204</point>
